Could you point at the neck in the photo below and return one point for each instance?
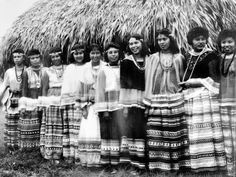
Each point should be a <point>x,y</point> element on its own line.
<point>113,63</point>
<point>165,51</point>
<point>36,67</point>
<point>19,66</point>
<point>96,63</point>
<point>136,56</point>
<point>78,63</point>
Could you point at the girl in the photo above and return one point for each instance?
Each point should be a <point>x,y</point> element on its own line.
<point>106,104</point>
<point>72,89</point>
<point>11,90</point>
<point>227,46</point>
<point>51,126</point>
<point>89,136</point>
<point>167,133</point>
<point>132,80</point>
<point>29,123</point>
<point>201,104</point>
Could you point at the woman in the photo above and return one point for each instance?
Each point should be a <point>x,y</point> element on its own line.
<point>89,136</point>
<point>72,89</point>
<point>51,130</point>
<point>10,92</point>
<point>201,104</point>
<point>132,80</point>
<point>29,123</point>
<point>167,132</point>
<point>227,46</point>
<point>106,104</point>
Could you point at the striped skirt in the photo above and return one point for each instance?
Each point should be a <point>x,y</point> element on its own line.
<point>11,131</point>
<point>51,133</point>
<point>29,128</point>
<point>228,117</point>
<point>133,138</point>
<point>205,131</point>
<point>90,140</point>
<point>71,127</point>
<point>110,138</point>
<point>167,134</point>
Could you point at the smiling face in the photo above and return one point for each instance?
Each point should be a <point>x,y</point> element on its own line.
<point>113,55</point>
<point>18,58</point>
<point>199,43</point>
<point>228,45</point>
<point>163,42</point>
<point>135,45</point>
<point>35,60</point>
<point>56,59</point>
<point>78,55</point>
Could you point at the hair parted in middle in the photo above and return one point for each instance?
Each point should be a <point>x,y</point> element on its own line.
<point>116,46</point>
<point>82,47</point>
<point>225,34</point>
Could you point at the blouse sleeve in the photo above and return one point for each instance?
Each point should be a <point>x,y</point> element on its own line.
<point>25,84</point>
<point>214,67</point>
<point>5,84</point>
<point>45,84</point>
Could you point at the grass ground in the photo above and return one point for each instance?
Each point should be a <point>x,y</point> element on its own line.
<point>31,164</point>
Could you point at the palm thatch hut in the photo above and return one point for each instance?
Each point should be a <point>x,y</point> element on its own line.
<point>65,22</point>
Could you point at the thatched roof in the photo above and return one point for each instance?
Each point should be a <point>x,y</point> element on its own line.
<point>64,22</point>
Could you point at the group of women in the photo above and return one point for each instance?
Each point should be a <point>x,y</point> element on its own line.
<point>163,111</point>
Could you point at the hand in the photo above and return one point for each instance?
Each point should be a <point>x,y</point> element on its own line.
<point>106,115</point>
<point>85,112</point>
<point>125,112</point>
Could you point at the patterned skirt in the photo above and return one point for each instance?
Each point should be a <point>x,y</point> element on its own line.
<point>90,140</point>
<point>110,138</point>
<point>167,134</point>
<point>133,138</point>
<point>29,128</point>
<point>71,127</point>
<point>11,131</point>
<point>228,117</point>
<point>205,131</point>
<point>51,133</point>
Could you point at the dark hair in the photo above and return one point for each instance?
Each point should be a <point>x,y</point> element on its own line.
<point>33,52</point>
<point>18,50</point>
<point>195,32</point>
<point>173,43</point>
<point>95,46</point>
<point>116,46</point>
<point>224,34</point>
<point>79,47</point>
<point>56,50</point>
<point>144,51</point>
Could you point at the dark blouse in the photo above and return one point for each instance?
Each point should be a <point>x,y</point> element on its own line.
<point>131,77</point>
<point>207,66</point>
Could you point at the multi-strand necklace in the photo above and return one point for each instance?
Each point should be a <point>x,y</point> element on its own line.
<point>19,77</point>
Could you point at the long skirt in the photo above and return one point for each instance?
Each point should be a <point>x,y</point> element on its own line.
<point>228,117</point>
<point>29,129</point>
<point>133,138</point>
<point>90,140</point>
<point>167,134</point>
<point>110,138</point>
<point>205,131</point>
<point>71,127</point>
<point>51,133</point>
<point>11,131</point>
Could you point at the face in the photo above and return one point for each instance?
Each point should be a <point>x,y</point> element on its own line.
<point>78,55</point>
<point>113,55</point>
<point>135,45</point>
<point>56,59</point>
<point>95,55</point>
<point>163,41</point>
<point>35,60</point>
<point>199,43</point>
<point>228,45</point>
<point>18,58</point>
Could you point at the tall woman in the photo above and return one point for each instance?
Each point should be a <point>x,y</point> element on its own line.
<point>29,122</point>
<point>106,104</point>
<point>132,80</point>
<point>72,89</point>
<point>201,103</point>
<point>167,132</point>
<point>89,136</point>
<point>11,91</point>
<point>51,130</point>
<point>227,46</point>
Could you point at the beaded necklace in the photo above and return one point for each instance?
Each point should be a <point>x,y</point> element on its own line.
<point>19,77</point>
